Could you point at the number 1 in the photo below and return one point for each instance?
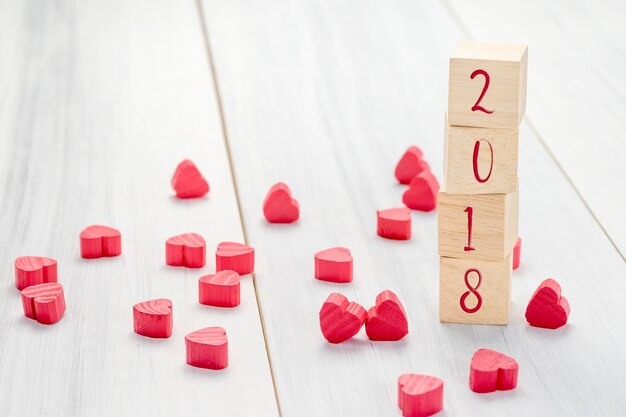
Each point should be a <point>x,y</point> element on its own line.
<point>470,212</point>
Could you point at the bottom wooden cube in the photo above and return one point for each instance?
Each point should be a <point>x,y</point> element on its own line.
<point>474,292</point>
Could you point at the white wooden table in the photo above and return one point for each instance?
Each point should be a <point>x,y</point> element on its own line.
<point>100,100</point>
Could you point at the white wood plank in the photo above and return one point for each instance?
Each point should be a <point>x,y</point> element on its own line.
<point>98,103</point>
<point>576,78</point>
<point>326,97</point>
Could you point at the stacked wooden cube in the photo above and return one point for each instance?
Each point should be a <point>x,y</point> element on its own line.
<point>478,205</point>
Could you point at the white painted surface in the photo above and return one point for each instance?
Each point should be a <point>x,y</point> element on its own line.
<point>326,97</point>
<point>98,103</point>
<point>100,100</point>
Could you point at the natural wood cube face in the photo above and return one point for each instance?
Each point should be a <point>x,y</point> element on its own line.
<point>480,160</point>
<point>487,85</point>
<point>474,292</point>
<point>477,226</point>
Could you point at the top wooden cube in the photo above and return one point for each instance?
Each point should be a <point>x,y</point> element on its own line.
<point>487,85</point>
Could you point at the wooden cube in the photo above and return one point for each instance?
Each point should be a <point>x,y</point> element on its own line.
<point>487,85</point>
<point>474,292</point>
<point>477,226</point>
<point>480,160</point>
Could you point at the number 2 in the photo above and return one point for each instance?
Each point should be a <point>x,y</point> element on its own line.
<point>470,212</point>
<point>477,105</point>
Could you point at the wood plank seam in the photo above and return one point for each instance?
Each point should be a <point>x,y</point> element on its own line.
<point>464,29</point>
<point>218,95</point>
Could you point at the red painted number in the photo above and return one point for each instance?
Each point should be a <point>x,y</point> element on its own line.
<point>470,212</point>
<point>472,290</point>
<point>475,161</point>
<point>477,105</point>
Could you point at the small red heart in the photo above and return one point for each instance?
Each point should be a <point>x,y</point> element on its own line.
<point>422,192</point>
<point>235,257</point>
<point>97,241</point>
<point>207,348</point>
<point>188,250</point>
<point>491,370</point>
<point>517,253</point>
<point>221,289</point>
<point>419,395</point>
<point>279,206</point>
<point>340,319</point>
<point>44,302</point>
<point>546,307</point>
<point>33,270</point>
<point>394,223</point>
<point>334,265</point>
<point>411,164</point>
<point>153,318</point>
<point>188,182</point>
<point>387,319</point>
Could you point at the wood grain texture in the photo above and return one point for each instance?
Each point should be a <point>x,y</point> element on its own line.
<point>99,101</point>
<point>494,225</point>
<point>487,85</point>
<point>475,292</point>
<point>495,169</point>
<point>326,97</point>
<point>577,93</point>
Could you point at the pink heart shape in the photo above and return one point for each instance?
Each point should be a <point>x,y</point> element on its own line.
<point>410,165</point>
<point>387,319</point>
<point>188,250</point>
<point>419,395</point>
<point>188,182</point>
<point>491,370</point>
<point>334,265</point>
<point>235,257</point>
<point>279,206</point>
<point>44,302</point>
<point>34,270</point>
<point>97,241</point>
<point>207,348</point>
<point>340,319</point>
<point>394,223</point>
<point>422,192</point>
<point>221,289</point>
<point>153,318</point>
<point>546,307</point>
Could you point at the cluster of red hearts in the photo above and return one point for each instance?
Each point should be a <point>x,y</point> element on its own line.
<point>43,299</point>
<point>341,319</point>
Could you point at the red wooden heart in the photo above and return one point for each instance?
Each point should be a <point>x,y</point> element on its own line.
<point>410,165</point>
<point>44,302</point>
<point>394,223</point>
<point>340,319</point>
<point>235,257</point>
<point>153,318</point>
<point>279,206</point>
<point>34,270</point>
<point>188,250</point>
<point>221,289</point>
<point>97,241</point>
<point>491,370</point>
<point>334,265</point>
<point>419,395</point>
<point>387,319</point>
<point>517,253</point>
<point>546,307</point>
<point>207,348</point>
<point>422,192</point>
<point>188,182</point>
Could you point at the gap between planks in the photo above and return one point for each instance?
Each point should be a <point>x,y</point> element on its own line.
<point>464,29</point>
<point>218,95</point>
